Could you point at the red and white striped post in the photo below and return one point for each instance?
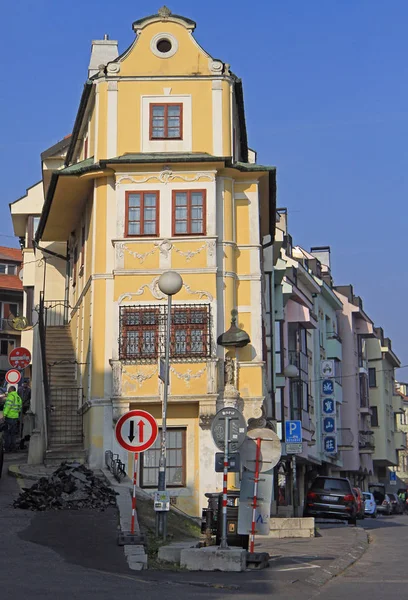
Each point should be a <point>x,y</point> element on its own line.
<point>224,543</point>
<point>132,525</point>
<point>255,499</point>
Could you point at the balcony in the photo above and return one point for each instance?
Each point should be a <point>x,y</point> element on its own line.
<point>400,440</point>
<point>366,444</point>
<point>345,438</point>
<point>334,347</point>
<point>300,361</point>
<point>364,397</point>
<point>5,327</point>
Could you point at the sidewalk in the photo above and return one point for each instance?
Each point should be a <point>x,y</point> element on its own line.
<point>310,561</point>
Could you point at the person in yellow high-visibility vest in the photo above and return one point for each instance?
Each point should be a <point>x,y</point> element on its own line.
<point>11,413</point>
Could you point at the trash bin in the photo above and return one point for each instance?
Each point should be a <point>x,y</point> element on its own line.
<point>209,515</point>
<point>212,519</point>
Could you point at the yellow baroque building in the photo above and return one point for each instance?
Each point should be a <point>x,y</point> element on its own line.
<point>157,176</point>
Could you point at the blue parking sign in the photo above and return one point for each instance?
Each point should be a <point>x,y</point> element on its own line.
<point>327,387</point>
<point>293,432</point>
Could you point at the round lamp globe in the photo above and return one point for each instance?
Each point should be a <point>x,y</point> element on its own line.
<point>170,282</point>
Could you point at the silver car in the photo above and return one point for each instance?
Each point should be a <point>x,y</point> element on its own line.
<point>370,507</point>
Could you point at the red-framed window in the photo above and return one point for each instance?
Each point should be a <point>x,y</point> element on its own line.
<point>189,212</point>
<point>139,332</point>
<point>189,332</point>
<point>166,122</point>
<point>142,214</point>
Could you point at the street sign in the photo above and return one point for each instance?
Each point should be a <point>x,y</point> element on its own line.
<point>237,429</point>
<point>296,448</point>
<point>327,387</point>
<point>330,444</point>
<point>13,376</point>
<point>329,425</point>
<point>19,358</point>
<point>263,507</point>
<point>393,478</point>
<point>329,406</point>
<point>293,432</point>
<point>233,462</point>
<point>327,368</point>
<point>162,370</point>
<point>269,453</point>
<point>136,431</point>
<point>161,501</point>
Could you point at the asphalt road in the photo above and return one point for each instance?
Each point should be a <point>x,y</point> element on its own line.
<point>73,555</point>
<point>382,571</point>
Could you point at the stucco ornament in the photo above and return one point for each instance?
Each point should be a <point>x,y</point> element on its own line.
<point>164,12</point>
<point>166,176</point>
<point>216,66</point>
<point>141,257</point>
<point>155,291</point>
<point>139,378</point>
<point>113,68</point>
<point>188,375</point>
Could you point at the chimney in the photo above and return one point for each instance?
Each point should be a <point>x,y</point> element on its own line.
<point>322,253</point>
<point>102,52</point>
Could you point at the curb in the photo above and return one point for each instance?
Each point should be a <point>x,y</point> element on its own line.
<point>357,549</point>
<point>14,471</point>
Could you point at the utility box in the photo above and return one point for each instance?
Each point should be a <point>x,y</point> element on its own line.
<point>211,523</point>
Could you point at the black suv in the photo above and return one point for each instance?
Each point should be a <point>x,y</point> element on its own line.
<point>331,498</point>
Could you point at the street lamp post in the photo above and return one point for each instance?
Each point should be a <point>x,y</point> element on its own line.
<point>169,283</point>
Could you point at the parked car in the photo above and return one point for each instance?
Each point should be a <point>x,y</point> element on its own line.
<point>370,507</point>
<point>383,503</point>
<point>397,507</point>
<point>360,502</point>
<point>331,498</point>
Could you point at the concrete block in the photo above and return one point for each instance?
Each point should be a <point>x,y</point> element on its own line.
<point>307,523</point>
<point>172,552</point>
<point>136,557</point>
<point>295,533</point>
<point>213,558</point>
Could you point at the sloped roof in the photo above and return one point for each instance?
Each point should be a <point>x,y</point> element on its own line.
<point>57,148</point>
<point>14,254</point>
<point>10,282</point>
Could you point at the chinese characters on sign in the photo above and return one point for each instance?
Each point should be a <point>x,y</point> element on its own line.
<point>328,407</point>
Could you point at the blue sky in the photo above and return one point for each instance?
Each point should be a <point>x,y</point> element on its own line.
<point>326,97</point>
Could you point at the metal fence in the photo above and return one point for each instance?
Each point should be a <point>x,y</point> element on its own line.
<point>115,465</point>
<point>56,313</point>
<point>143,328</point>
<point>65,421</point>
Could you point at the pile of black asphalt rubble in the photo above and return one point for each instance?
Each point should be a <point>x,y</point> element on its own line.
<point>71,486</point>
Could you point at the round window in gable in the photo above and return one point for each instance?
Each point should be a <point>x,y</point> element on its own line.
<point>164,45</point>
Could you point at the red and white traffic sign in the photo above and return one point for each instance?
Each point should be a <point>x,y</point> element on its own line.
<point>13,376</point>
<point>136,431</point>
<point>19,358</point>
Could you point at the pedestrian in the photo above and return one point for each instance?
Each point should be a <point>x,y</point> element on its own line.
<point>24,391</point>
<point>11,413</point>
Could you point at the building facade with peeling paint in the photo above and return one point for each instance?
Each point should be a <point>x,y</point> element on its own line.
<point>158,176</point>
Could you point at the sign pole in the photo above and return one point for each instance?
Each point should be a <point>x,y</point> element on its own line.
<point>224,543</point>
<point>294,485</point>
<point>161,516</point>
<point>132,526</point>
<point>254,503</point>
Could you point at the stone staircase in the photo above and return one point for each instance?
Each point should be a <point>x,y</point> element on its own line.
<point>65,436</point>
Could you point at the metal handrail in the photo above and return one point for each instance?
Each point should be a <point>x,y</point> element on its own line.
<point>42,334</point>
